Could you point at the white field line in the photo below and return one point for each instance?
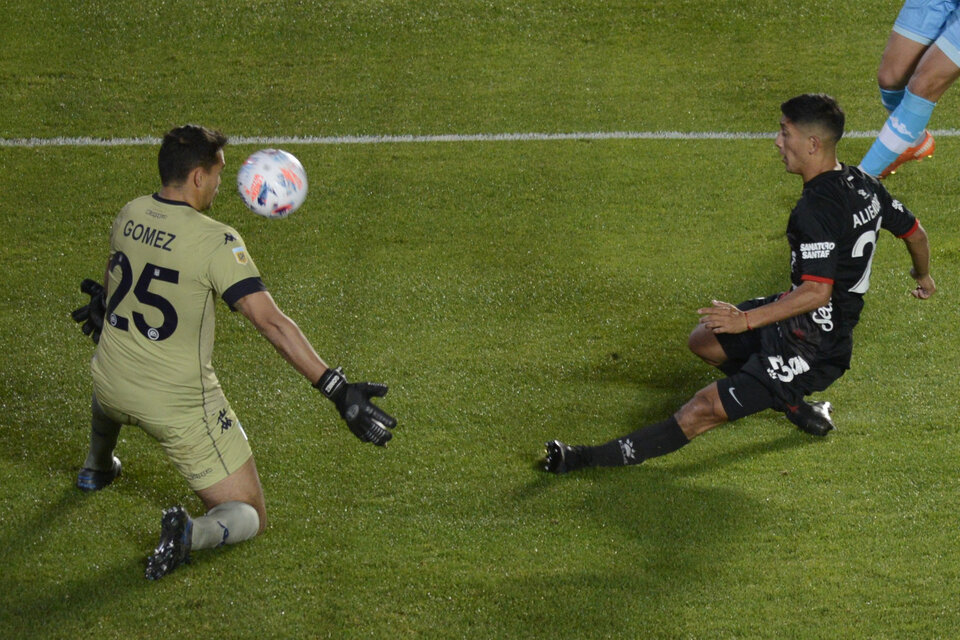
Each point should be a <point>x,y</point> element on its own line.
<point>399,139</point>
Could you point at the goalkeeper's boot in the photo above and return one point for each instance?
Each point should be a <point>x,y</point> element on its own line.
<point>173,549</point>
<point>923,149</point>
<point>812,417</point>
<point>94,480</point>
<point>562,458</point>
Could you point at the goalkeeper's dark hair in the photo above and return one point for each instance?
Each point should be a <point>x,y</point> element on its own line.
<point>184,149</point>
<point>816,108</point>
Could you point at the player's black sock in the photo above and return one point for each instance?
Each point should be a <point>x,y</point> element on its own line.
<point>104,434</point>
<point>652,441</point>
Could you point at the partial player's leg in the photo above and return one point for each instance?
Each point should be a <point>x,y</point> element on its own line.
<point>235,512</point>
<point>812,417</point>
<point>904,137</point>
<point>936,72</point>
<point>910,84</point>
<point>701,413</point>
<point>215,458</point>
<point>101,467</point>
<point>725,351</point>
<point>900,59</point>
<point>222,500</point>
<point>704,344</point>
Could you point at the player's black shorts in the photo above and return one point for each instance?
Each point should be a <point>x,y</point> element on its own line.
<point>777,365</point>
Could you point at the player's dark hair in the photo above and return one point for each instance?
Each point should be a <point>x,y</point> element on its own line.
<point>816,108</point>
<point>184,149</point>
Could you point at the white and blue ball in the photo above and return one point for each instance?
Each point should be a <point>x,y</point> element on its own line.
<point>272,183</point>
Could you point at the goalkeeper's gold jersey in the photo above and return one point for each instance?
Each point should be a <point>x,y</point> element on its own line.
<point>168,263</point>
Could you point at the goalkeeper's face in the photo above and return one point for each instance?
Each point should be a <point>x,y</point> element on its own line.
<point>209,182</point>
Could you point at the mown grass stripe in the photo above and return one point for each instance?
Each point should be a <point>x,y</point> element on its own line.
<point>83,141</point>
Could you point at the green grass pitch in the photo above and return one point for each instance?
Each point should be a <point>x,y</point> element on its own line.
<point>509,292</point>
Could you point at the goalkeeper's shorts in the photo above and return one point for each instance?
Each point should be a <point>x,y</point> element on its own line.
<point>205,451</point>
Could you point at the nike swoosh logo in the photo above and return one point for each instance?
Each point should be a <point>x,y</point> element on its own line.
<point>734,396</point>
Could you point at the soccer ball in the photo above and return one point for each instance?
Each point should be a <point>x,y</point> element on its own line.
<point>272,183</point>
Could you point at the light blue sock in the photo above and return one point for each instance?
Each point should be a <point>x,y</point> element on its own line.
<point>902,129</point>
<point>891,98</point>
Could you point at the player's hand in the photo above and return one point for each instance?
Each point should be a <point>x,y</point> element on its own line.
<point>366,420</point>
<point>724,317</point>
<point>91,314</point>
<point>925,286</point>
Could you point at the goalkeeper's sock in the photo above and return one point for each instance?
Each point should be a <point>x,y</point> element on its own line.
<point>652,441</point>
<point>902,130</point>
<point>226,523</point>
<point>104,433</point>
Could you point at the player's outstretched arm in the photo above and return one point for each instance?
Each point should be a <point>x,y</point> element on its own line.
<point>918,245</point>
<point>367,421</point>
<point>283,333</point>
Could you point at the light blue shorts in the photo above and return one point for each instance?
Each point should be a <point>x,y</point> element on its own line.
<point>929,21</point>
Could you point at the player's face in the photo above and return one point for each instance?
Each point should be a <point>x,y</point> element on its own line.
<point>792,144</point>
<point>211,182</point>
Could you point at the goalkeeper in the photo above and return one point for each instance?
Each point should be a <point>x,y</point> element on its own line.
<point>153,321</point>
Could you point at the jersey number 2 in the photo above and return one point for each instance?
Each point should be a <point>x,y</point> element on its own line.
<point>143,294</point>
<point>865,242</point>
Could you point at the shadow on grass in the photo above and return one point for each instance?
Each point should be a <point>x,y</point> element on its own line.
<point>15,542</point>
<point>790,440</point>
<point>34,607</point>
<point>56,610</point>
<point>41,606</point>
<point>623,556</point>
<point>670,537</point>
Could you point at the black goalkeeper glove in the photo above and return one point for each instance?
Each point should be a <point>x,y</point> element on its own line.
<point>366,420</point>
<point>91,315</point>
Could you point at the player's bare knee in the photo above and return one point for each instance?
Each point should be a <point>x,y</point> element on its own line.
<point>695,341</point>
<point>890,78</point>
<point>701,413</point>
<point>709,405</point>
<point>705,346</point>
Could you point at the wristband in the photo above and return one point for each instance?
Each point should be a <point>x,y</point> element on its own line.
<point>331,382</point>
<point>747,318</point>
